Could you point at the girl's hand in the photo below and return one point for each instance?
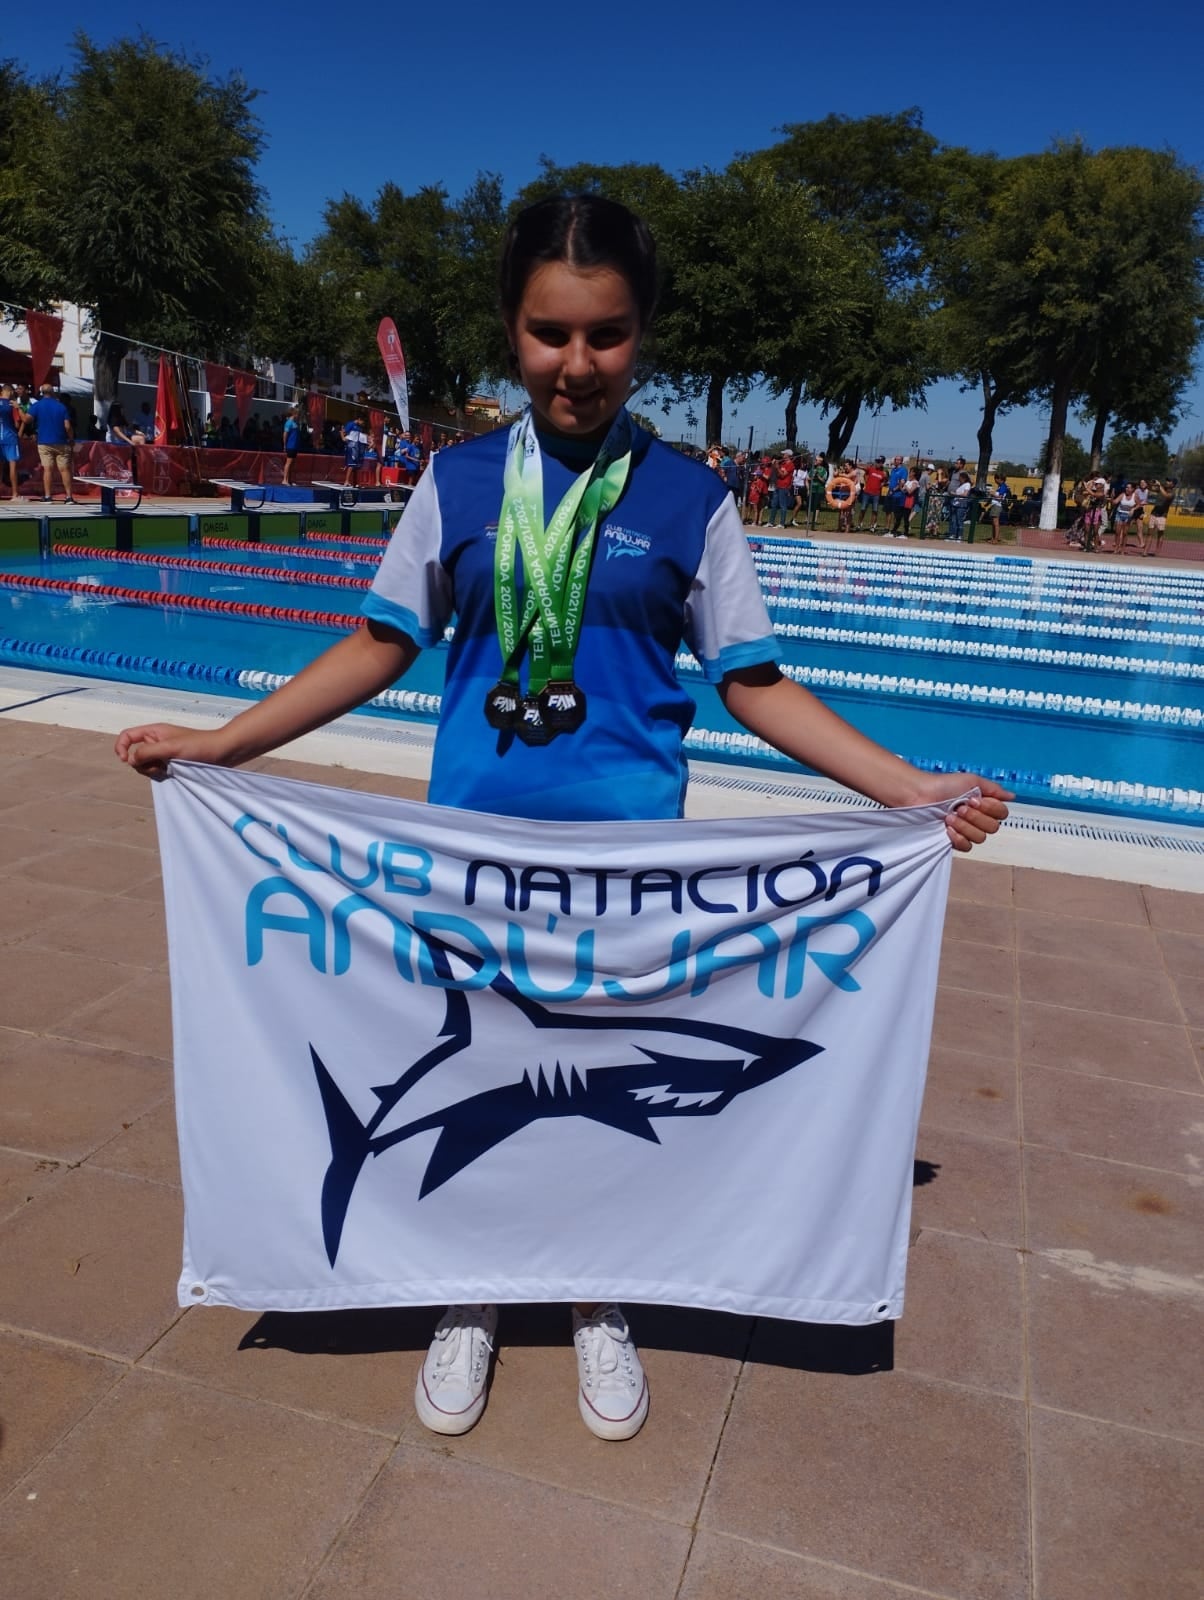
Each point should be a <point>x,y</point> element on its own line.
<point>150,747</point>
<point>971,823</point>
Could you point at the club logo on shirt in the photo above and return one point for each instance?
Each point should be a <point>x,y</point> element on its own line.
<point>491,532</point>
<point>625,541</point>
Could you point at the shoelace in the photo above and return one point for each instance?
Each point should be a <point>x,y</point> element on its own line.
<point>606,1347</point>
<point>452,1340</point>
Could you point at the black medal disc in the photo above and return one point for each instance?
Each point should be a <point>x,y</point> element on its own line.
<point>531,726</point>
<point>502,705</point>
<point>563,706</point>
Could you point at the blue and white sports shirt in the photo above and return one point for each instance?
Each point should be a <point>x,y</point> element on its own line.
<point>671,562</point>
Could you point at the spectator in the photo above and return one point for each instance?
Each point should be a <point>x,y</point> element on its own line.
<point>758,491</point>
<point>934,509</point>
<point>997,505</point>
<point>1124,508</point>
<point>1162,496</point>
<point>292,442</point>
<point>145,423</point>
<point>118,430</point>
<point>729,471</point>
<point>896,479</point>
<point>817,486</point>
<point>870,499</point>
<point>56,432</point>
<point>12,420</point>
<point>959,504</point>
<point>355,438</point>
<point>781,499</point>
<point>1093,516</point>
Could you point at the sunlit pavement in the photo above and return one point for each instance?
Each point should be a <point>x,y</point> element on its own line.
<point>1034,1428</point>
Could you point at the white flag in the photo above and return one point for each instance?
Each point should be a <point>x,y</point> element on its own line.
<point>425,1056</point>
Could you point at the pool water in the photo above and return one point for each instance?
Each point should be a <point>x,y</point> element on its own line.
<point>1074,685</point>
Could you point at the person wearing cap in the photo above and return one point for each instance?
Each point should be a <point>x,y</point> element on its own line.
<point>870,498</point>
<point>781,500</point>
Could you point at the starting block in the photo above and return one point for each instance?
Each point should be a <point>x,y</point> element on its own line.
<point>345,496</point>
<point>239,490</point>
<point>123,516</point>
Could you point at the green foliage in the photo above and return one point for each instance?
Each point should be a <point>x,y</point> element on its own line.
<point>1076,458</point>
<point>1013,469</point>
<point>431,265</point>
<point>1132,455</point>
<point>1189,467</point>
<point>156,219</point>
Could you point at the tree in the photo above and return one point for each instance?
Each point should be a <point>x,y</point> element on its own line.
<point>1095,255</point>
<point>296,320</point>
<point>1131,455</point>
<point>431,265</point>
<point>147,207</point>
<point>1012,469</point>
<point>27,277</point>
<point>1189,467</point>
<point>1076,460</point>
<point>974,300</point>
<point>872,182</point>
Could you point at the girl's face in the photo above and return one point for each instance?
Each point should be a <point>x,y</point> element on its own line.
<point>576,338</point>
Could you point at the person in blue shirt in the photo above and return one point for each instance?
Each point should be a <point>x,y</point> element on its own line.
<point>12,420</point>
<point>670,560</point>
<point>292,442</point>
<point>56,434</point>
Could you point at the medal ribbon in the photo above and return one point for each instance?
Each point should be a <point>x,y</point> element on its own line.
<point>556,562</point>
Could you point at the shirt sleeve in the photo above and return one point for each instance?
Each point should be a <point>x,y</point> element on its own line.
<point>727,625</point>
<point>412,591</point>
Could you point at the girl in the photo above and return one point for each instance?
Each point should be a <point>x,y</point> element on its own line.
<point>578,284</point>
<point>1124,508</point>
<point>292,442</point>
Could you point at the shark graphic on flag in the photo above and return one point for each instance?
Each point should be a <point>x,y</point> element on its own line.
<point>666,1080</point>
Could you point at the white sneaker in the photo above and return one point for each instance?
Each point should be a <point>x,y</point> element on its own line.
<point>452,1385</point>
<point>613,1392</point>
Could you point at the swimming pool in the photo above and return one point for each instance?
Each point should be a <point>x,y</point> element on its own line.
<point>1075,685</point>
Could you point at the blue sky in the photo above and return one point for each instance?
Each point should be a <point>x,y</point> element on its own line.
<point>352,96</point>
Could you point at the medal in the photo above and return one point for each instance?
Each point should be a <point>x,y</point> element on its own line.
<point>562,705</point>
<point>502,705</point>
<point>545,622</point>
<point>530,725</point>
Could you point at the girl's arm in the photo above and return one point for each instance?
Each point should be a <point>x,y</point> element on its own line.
<point>791,719</point>
<point>343,677</point>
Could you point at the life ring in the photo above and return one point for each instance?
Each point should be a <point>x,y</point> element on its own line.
<point>847,483</point>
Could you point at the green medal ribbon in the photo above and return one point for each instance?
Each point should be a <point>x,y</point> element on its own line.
<point>556,558</point>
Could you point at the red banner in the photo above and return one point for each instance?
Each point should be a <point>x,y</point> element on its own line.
<point>428,438</point>
<point>376,427</point>
<point>394,359</point>
<point>315,408</point>
<point>44,334</point>
<point>244,393</point>
<point>217,381</point>
<point>169,419</point>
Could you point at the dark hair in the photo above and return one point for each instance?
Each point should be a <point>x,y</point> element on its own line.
<point>584,230</point>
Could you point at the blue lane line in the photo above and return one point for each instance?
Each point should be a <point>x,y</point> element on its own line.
<point>54,694</point>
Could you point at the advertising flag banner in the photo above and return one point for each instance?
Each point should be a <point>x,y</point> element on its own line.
<point>44,332</point>
<point>394,359</point>
<point>315,411</point>
<point>169,419</point>
<point>217,381</point>
<point>424,1055</point>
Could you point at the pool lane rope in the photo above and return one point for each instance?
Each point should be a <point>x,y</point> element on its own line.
<point>411,702</point>
<point>182,602</point>
<point>237,569</point>
<point>377,541</point>
<point>212,542</point>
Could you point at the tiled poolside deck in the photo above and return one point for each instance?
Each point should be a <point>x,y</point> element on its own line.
<point>1035,1428</point>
